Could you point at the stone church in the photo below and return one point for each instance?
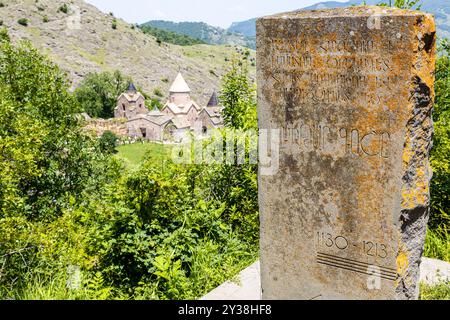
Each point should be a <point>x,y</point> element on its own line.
<point>179,116</point>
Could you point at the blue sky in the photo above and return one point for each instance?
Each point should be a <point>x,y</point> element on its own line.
<point>214,12</point>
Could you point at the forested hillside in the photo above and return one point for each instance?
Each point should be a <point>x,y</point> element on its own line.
<point>205,33</point>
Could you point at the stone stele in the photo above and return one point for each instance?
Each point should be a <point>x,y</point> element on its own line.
<point>350,93</point>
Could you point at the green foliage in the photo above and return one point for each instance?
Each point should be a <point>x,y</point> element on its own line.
<point>238,97</point>
<point>403,4</point>
<point>23,22</point>
<point>114,24</point>
<point>47,165</point>
<point>45,19</point>
<point>108,142</point>
<point>170,37</point>
<point>158,92</point>
<point>437,244</point>
<point>440,160</point>
<point>4,37</point>
<point>40,134</point>
<point>2,5</point>
<point>437,292</point>
<point>176,245</point>
<point>64,8</point>
<point>98,93</point>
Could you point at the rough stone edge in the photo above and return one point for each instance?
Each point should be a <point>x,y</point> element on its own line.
<point>416,166</point>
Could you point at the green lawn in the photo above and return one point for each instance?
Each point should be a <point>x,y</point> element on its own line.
<point>133,154</point>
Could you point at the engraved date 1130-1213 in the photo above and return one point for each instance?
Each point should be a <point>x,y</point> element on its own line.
<point>368,248</point>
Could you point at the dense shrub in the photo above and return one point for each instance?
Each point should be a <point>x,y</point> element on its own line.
<point>64,8</point>
<point>108,142</point>
<point>23,22</point>
<point>46,167</point>
<point>98,93</point>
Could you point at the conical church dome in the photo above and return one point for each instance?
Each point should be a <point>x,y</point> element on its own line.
<point>179,85</point>
<point>213,101</point>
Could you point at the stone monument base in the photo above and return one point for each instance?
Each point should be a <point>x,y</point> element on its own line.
<point>248,283</point>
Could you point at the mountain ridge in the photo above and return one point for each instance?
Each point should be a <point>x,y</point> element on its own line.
<point>204,32</point>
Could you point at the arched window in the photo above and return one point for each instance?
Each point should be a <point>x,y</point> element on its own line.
<point>204,130</point>
<point>123,106</point>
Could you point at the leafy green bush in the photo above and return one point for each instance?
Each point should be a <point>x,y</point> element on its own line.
<point>403,4</point>
<point>437,292</point>
<point>108,142</point>
<point>23,22</point>
<point>158,92</point>
<point>114,24</point>
<point>238,97</point>
<point>64,8</point>
<point>98,92</point>
<point>47,166</point>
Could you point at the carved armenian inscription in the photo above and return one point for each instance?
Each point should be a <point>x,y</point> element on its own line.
<point>324,70</point>
<point>328,139</point>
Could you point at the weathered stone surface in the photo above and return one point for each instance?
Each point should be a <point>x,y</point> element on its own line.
<point>351,91</point>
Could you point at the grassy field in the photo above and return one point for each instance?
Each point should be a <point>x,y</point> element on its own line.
<point>133,154</point>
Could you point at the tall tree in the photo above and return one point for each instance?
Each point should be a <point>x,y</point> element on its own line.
<point>44,156</point>
<point>238,96</point>
<point>98,92</point>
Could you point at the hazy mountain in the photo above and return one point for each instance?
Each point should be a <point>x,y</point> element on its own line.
<point>440,8</point>
<point>204,32</point>
<point>95,45</point>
